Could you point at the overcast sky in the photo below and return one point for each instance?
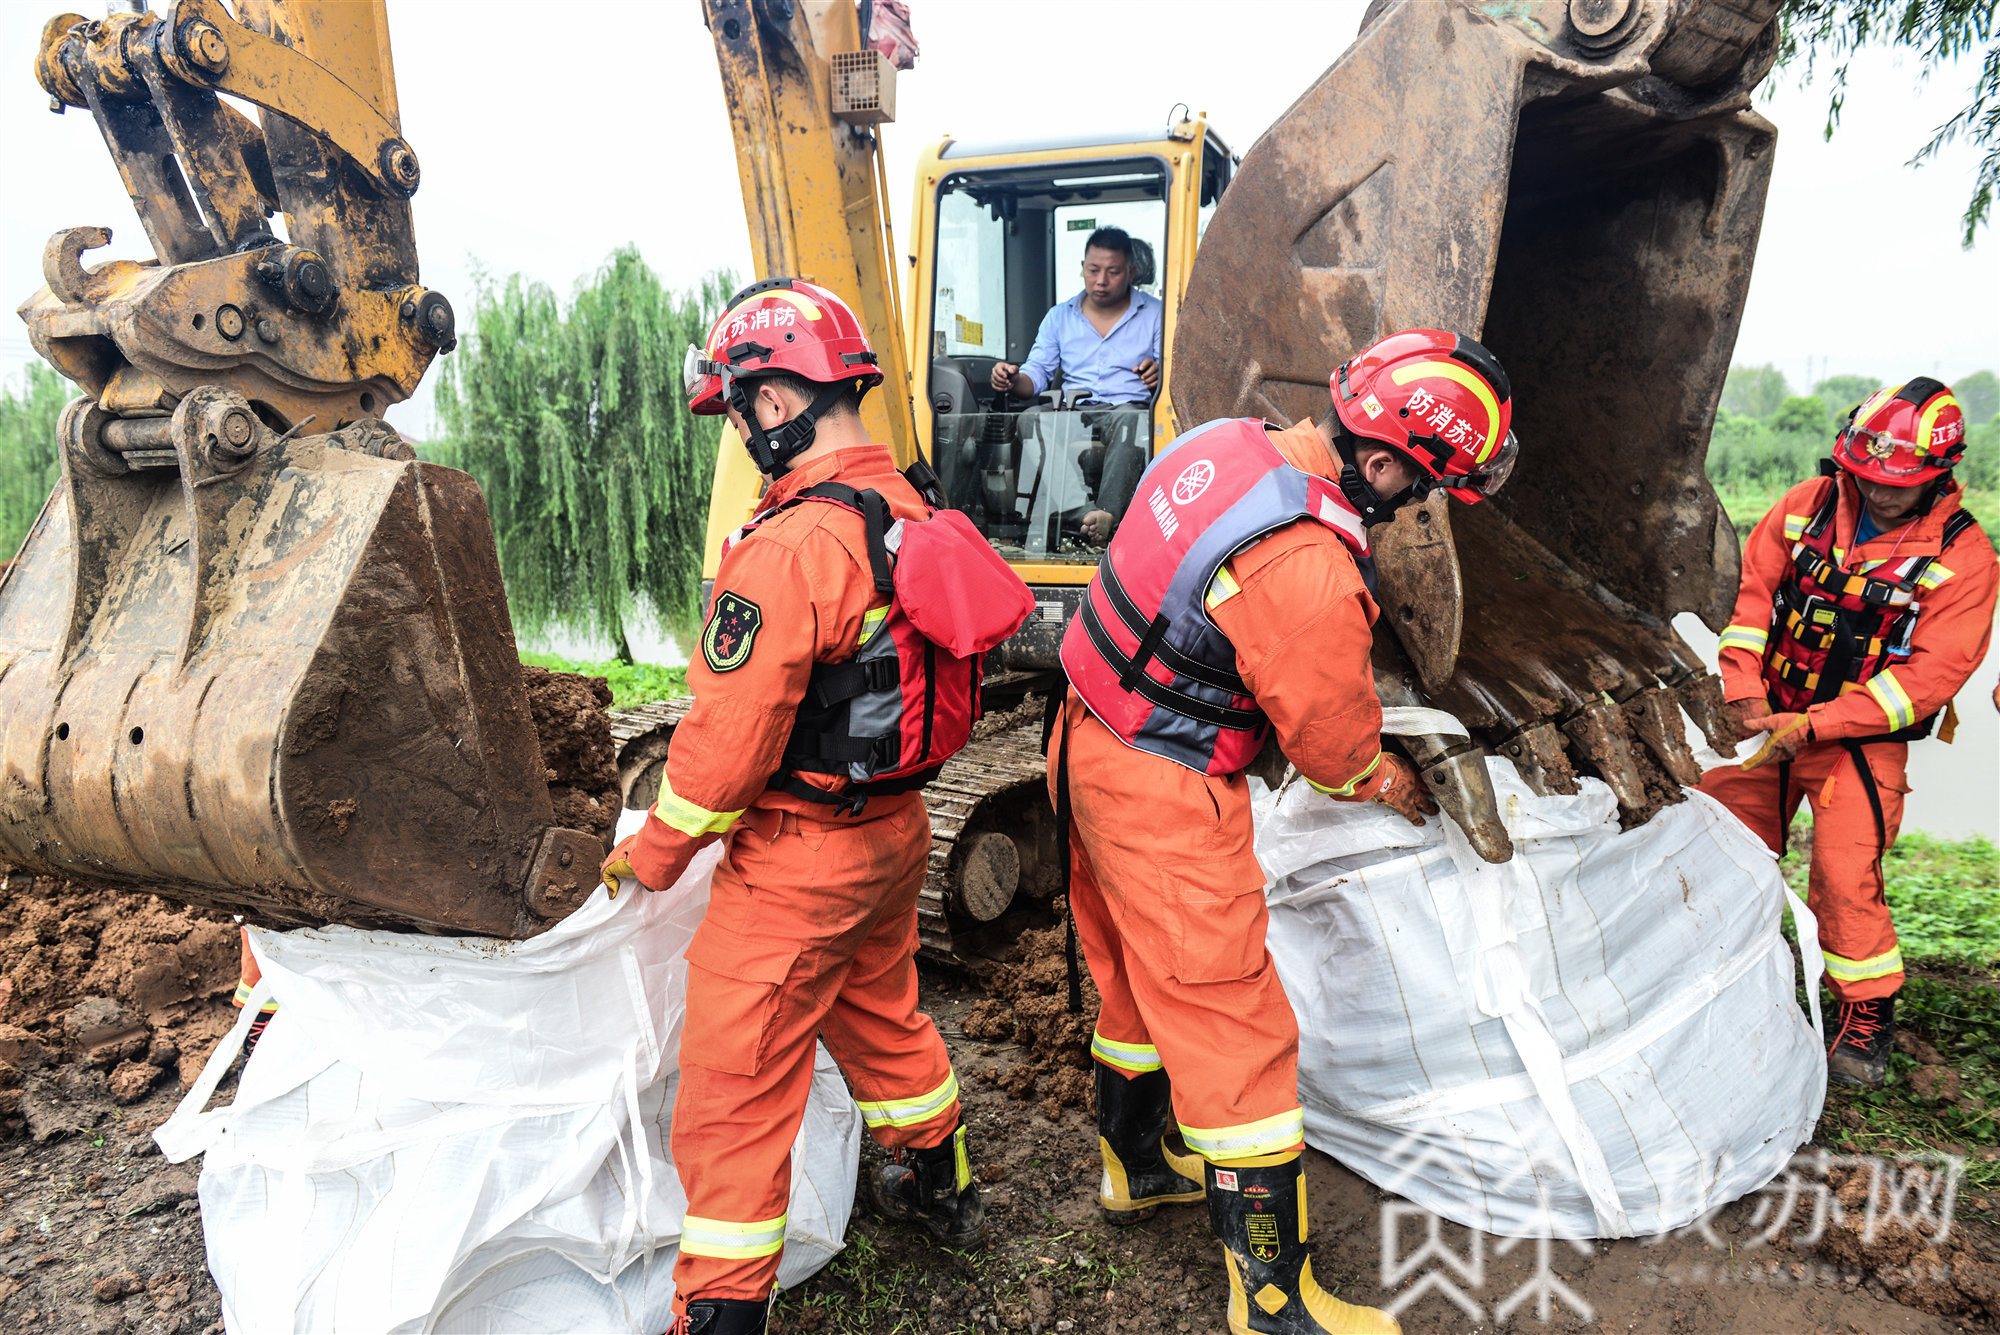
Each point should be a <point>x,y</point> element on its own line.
<point>551,134</point>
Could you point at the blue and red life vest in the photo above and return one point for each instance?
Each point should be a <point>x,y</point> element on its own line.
<point>1142,651</point>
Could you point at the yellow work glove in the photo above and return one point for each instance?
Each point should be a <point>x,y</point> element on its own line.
<point>1788,732</point>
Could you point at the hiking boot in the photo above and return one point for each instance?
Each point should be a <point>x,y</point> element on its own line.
<point>1141,1172</point>
<point>722,1316</point>
<point>1260,1215</point>
<point>934,1188</point>
<point>1863,1041</point>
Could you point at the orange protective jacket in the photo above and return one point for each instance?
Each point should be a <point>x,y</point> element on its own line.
<point>805,575</point>
<point>1300,619</point>
<point>1954,622</point>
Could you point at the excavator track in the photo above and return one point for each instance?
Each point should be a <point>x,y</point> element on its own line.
<point>992,866</point>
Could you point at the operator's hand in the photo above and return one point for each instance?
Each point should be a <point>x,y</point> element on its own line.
<point>618,866</point>
<point>1742,711</point>
<point>1096,526</point>
<point>1149,373</point>
<point>1403,790</point>
<point>1002,378</point>
<point>1788,732</point>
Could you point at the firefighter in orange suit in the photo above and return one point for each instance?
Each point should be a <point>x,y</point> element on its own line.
<point>1236,598</point>
<point>811,928</point>
<point>1866,603</point>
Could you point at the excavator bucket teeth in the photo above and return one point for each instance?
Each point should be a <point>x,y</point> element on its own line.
<point>1580,187</point>
<point>283,683</point>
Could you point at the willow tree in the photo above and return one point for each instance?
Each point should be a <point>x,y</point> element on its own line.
<point>28,466</point>
<point>575,424</point>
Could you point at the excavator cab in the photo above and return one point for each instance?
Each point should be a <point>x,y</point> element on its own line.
<point>1000,231</point>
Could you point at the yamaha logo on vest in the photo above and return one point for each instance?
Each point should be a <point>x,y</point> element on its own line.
<point>1193,481</point>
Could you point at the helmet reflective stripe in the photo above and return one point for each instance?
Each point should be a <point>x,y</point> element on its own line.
<point>1926,443</point>
<point>1466,376</point>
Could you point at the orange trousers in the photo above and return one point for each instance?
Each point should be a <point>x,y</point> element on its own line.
<point>1169,906</point>
<point>811,932</point>
<point>1845,890</point>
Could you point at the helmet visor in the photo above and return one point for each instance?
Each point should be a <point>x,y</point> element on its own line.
<point>1486,479</point>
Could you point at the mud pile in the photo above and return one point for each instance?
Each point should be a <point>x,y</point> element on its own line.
<point>1028,1004</point>
<point>104,994</point>
<point>577,751</point>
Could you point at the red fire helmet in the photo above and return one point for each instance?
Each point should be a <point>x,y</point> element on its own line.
<point>1903,435</point>
<point>779,325</point>
<point>1440,399</point>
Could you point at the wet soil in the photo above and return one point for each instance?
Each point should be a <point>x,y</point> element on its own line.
<point>578,755</point>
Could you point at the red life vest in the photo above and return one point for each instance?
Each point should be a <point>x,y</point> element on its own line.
<point>1832,629</point>
<point>889,717</point>
<point>1142,651</point>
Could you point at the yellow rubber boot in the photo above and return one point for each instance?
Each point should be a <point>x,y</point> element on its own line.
<point>1259,1212</point>
<point>1141,1171</point>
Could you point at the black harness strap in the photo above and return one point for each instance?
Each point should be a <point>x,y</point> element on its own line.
<point>1166,697</point>
<point>1869,786</point>
<point>1784,806</point>
<point>1135,622</point>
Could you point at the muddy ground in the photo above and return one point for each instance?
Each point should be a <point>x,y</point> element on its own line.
<point>110,1003</point>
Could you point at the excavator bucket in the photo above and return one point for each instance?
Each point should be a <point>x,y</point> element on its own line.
<point>1580,186</point>
<point>241,665</point>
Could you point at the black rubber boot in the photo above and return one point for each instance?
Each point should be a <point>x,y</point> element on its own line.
<point>723,1316</point>
<point>934,1188</point>
<point>1141,1172</point>
<point>1260,1215</point>
<point>1862,1042</point>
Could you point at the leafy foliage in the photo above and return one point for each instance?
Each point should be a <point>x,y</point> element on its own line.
<point>1979,395</point>
<point>28,465</point>
<point>1841,393</point>
<point>1940,31</point>
<point>1754,391</point>
<point>575,425</point>
<point>1801,413</point>
<point>630,683</point>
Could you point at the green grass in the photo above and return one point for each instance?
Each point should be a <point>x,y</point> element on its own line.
<point>631,683</point>
<point>1945,895</point>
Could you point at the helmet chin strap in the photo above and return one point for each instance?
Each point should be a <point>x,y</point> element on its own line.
<point>773,451</point>
<point>1374,508</point>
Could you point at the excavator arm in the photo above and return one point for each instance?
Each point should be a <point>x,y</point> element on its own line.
<point>1580,186</point>
<point>240,664</point>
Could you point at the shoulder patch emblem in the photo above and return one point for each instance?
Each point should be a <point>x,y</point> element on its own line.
<point>731,631</point>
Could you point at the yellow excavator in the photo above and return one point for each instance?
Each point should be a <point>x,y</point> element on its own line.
<point>1578,184</point>
<point>254,655</point>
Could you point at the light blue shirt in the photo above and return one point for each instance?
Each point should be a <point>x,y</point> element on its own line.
<point>1101,365</point>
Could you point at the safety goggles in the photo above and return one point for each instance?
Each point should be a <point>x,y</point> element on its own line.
<point>1892,454</point>
<point>696,367</point>
<point>1488,477</point>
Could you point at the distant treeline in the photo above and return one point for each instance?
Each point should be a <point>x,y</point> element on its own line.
<point>1766,435</point>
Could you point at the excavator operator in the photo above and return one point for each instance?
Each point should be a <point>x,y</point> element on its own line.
<point>811,929</point>
<point>1237,598</point>
<point>1866,603</point>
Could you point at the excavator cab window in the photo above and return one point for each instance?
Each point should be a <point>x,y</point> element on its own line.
<point>1045,479</point>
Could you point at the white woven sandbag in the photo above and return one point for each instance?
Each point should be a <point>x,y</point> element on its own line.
<point>1599,1038</point>
<point>472,1136</point>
